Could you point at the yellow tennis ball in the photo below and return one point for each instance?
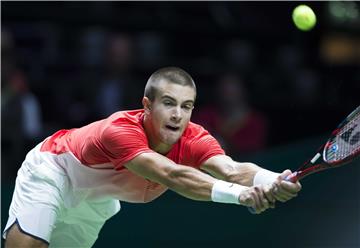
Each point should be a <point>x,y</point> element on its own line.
<point>304,17</point>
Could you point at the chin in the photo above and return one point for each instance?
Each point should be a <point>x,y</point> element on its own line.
<point>171,141</point>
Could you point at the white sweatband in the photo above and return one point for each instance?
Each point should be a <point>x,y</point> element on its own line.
<point>264,176</point>
<point>226,192</point>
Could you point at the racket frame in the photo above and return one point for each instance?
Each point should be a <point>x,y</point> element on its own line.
<point>310,166</point>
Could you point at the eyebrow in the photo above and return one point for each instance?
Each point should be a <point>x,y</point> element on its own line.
<point>173,99</point>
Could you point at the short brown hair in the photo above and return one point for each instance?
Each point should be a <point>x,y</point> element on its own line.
<point>174,75</point>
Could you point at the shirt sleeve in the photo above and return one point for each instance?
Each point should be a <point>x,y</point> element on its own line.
<point>123,143</point>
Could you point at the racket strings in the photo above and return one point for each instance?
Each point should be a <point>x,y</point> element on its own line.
<point>346,142</point>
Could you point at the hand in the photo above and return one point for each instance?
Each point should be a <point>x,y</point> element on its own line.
<point>283,190</point>
<point>259,198</point>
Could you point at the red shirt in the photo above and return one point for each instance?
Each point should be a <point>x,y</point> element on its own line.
<point>112,142</point>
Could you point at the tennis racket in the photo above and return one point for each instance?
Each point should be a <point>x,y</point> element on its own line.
<point>342,147</point>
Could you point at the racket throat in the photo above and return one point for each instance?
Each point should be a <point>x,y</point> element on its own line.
<point>303,173</point>
<point>310,167</point>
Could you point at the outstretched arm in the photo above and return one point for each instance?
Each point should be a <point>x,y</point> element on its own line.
<point>225,168</point>
<point>194,184</point>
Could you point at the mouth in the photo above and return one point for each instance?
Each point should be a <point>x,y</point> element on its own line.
<point>172,128</point>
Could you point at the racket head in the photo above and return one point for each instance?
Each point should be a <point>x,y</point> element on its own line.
<point>344,143</point>
<point>341,148</point>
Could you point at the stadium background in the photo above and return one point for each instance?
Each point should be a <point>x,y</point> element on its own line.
<point>55,58</point>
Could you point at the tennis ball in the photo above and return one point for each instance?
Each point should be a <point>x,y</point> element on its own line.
<point>304,17</point>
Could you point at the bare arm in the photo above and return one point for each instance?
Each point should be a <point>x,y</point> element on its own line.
<point>225,168</point>
<point>193,183</point>
<point>184,180</point>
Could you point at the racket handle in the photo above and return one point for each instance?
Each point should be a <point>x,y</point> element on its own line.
<point>290,178</point>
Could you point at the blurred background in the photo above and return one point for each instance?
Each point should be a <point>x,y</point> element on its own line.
<point>269,92</point>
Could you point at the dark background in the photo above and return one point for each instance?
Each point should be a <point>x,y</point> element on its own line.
<point>303,83</point>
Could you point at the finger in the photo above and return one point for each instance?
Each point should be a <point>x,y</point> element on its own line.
<point>281,194</point>
<point>285,187</point>
<point>290,187</point>
<point>282,199</point>
<point>256,200</point>
<point>247,199</point>
<point>268,192</point>
<point>284,194</point>
<point>262,200</point>
<point>285,174</point>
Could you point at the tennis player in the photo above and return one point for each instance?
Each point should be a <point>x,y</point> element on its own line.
<point>71,183</point>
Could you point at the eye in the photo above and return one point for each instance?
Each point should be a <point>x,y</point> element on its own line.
<point>167,103</point>
<point>188,107</point>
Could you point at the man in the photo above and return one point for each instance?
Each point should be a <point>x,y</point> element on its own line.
<point>71,183</point>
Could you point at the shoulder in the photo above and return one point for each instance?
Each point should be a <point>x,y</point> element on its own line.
<point>129,116</point>
<point>123,124</point>
<point>194,130</point>
<point>120,119</point>
<point>197,134</point>
<point>198,145</point>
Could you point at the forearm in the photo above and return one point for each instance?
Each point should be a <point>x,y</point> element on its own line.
<point>250,174</point>
<point>190,182</point>
<point>184,180</point>
<point>242,173</point>
<point>194,184</point>
<point>224,168</point>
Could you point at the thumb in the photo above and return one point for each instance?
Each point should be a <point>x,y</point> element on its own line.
<point>285,174</point>
<point>246,199</point>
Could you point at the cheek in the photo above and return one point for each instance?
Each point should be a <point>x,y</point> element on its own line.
<point>158,117</point>
<point>187,117</point>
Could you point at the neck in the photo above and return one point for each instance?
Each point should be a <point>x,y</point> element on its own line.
<point>154,143</point>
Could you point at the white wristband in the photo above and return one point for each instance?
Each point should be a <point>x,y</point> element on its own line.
<point>226,192</point>
<point>265,177</point>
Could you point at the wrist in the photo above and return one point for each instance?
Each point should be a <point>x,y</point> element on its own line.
<point>225,192</point>
<point>264,176</point>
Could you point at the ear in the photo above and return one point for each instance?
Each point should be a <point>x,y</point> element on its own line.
<point>146,104</point>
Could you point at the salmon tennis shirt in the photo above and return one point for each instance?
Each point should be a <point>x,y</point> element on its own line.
<point>93,156</point>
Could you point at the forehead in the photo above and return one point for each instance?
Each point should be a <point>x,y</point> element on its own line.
<point>179,92</point>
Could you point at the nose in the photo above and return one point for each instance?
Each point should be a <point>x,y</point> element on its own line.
<point>176,114</point>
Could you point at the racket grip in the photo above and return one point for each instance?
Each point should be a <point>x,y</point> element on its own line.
<point>290,178</point>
